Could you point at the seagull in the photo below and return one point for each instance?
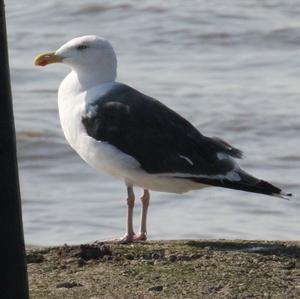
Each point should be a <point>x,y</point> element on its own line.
<point>133,137</point>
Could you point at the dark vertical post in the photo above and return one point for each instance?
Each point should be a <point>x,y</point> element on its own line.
<point>13,273</point>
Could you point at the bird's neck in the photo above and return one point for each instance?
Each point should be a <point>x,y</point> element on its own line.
<point>89,78</point>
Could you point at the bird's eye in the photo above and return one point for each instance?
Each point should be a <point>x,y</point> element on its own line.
<point>81,47</point>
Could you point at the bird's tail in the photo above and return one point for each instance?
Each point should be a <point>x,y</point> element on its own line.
<point>246,183</point>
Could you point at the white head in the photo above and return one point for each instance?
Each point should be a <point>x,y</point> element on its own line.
<point>86,55</point>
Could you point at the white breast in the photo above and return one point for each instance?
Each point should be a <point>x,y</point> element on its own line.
<point>72,104</point>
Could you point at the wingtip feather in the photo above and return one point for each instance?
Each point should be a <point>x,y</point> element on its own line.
<point>282,195</point>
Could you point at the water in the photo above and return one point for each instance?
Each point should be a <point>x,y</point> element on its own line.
<point>231,68</point>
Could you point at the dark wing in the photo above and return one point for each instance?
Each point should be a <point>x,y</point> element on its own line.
<point>159,138</point>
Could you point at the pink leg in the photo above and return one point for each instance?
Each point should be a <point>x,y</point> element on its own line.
<point>129,236</point>
<point>142,236</point>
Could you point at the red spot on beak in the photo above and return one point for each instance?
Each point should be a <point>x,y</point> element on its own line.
<point>42,62</point>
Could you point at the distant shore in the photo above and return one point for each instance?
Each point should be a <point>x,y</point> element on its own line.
<point>166,269</point>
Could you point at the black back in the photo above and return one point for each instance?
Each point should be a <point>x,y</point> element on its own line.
<point>154,135</point>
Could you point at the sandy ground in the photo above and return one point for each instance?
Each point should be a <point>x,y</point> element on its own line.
<point>166,269</point>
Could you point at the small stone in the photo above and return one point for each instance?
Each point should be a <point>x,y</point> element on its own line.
<point>108,258</point>
<point>155,255</point>
<point>70,260</point>
<point>33,258</point>
<point>81,262</point>
<point>156,276</point>
<point>172,257</point>
<point>89,252</point>
<point>156,288</point>
<point>125,273</point>
<point>106,250</point>
<point>289,265</point>
<point>129,256</point>
<point>183,258</point>
<point>195,256</point>
<point>68,285</point>
<point>146,256</point>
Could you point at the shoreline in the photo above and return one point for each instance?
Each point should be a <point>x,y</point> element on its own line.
<point>166,269</point>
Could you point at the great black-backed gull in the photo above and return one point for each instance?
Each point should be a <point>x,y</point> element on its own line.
<point>131,136</point>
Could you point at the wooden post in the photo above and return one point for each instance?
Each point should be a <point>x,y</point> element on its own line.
<point>13,273</point>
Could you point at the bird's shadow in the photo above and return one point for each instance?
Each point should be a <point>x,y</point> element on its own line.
<point>264,248</point>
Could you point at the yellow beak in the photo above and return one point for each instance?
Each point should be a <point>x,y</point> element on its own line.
<point>47,58</point>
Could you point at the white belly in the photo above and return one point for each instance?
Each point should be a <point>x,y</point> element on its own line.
<point>98,154</point>
<point>108,159</point>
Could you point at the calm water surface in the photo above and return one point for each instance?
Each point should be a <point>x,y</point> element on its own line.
<point>232,69</point>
